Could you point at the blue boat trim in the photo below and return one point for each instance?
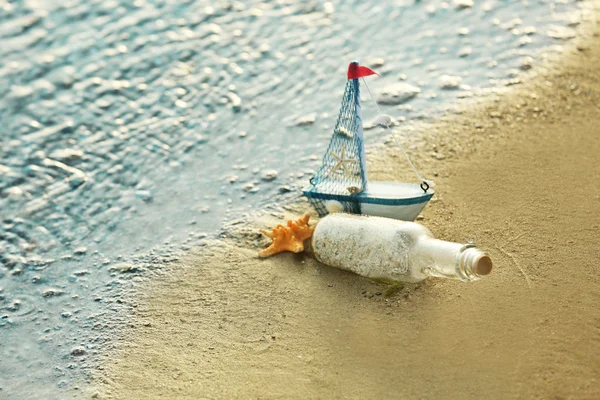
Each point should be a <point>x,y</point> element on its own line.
<point>361,198</point>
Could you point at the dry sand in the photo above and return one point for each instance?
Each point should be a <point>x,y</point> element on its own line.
<point>519,176</point>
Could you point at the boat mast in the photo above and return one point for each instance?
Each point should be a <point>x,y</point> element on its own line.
<point>355,72</point>
<point>359,133</point>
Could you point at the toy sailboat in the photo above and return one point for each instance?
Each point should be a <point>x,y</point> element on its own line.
<point>341,184</point>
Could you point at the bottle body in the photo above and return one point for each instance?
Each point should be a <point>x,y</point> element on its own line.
<point>393,250</point>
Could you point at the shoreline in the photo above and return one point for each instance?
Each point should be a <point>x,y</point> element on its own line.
<point>227,324</point>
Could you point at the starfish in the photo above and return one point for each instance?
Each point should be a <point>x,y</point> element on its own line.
<point>288,238</point>
<point>341,161</point>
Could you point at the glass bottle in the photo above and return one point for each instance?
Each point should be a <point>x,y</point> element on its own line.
<point>394,250</point>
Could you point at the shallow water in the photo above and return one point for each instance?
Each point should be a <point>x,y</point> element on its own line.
<point>130,132</point>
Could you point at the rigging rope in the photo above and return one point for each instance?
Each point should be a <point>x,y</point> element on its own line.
<point>423,181</point>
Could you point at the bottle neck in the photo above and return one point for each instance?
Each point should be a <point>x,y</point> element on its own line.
<point>444,259</point>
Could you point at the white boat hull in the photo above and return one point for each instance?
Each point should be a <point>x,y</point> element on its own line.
<point>398,200</point>
<point>395,200</point>
<point>405,213</point>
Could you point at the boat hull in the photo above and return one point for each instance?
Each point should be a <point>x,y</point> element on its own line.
<point>405,213</point>
<point>402,201</point>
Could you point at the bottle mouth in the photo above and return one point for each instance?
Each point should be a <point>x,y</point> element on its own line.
<point>483,266</point>
<point>474,264</point>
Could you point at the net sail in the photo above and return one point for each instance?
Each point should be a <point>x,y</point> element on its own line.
<point>343,174</point>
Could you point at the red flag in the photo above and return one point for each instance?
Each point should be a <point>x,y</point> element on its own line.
<point>358,71</point>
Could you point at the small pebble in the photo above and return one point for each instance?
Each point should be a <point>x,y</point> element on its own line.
<point>465,51</point>
<point>305,120</point>
<point>80,251</point>
<point>123,267</point>
<point>66,155</point>
<point>145,195</point>
<point>397,93</point>
<point>463,31</point>
<point>524,40</point>
<point>561,32</point>
<point>52,292</point>
<point>526,63</point>
<point>78,351</point>
<point>376,62</point>
<point>450,82</point>
<point>462,4</point>
<point>269,175</point>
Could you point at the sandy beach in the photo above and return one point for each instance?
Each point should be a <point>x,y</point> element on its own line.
<point>518,174</point>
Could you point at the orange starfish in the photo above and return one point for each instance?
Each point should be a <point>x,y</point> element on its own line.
<point>288,238</point>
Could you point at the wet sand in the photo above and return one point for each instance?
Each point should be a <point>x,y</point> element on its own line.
<point>518,176</point>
